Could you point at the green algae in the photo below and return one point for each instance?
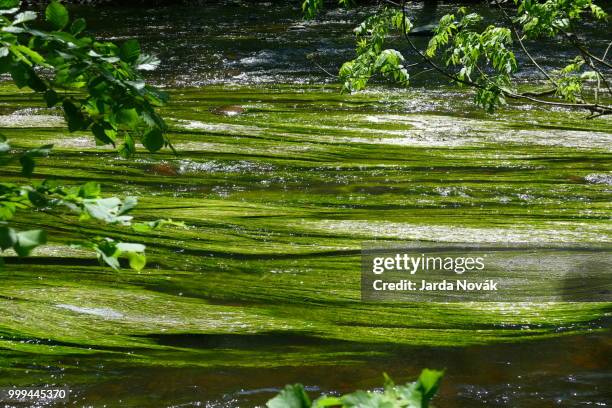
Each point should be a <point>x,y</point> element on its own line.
<point>277,201</point>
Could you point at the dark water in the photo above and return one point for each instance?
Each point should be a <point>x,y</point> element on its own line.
<point>268,42</point>
<point>571,371</point>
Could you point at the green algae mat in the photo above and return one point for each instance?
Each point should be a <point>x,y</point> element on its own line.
<point>278,187</point>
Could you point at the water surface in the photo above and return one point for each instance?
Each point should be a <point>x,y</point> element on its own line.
<point>262,287</point>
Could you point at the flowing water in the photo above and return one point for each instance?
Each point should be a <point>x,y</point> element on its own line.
<point>279,179</point>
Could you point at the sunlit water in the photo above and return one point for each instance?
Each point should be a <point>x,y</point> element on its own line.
<point>279,179</point>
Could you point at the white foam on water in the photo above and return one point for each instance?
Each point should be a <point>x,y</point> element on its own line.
<point>599,178</point>
<point>451,233</point>
<point>31,118</point>
<point>219,127</point>
<point>95,311</point>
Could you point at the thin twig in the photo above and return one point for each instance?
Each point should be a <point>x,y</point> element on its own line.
<point>520,40</point>
<point>421,72</point>
<point>606,53</point>
<point>321,68</point>
<point>391,2</point>
<point>542,93</point>
<point>585,51</point>
<point>588,57</point>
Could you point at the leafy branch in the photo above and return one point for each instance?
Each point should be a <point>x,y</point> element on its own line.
<point>98,84</point>
<point>469,53</point>
<point>417,394</point>
<point>100,88</point>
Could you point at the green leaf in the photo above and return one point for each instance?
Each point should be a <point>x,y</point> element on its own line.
<point>128,117</point>
<point>102,138</point>
<point>4,145</point>
<point>142,227</point>
<point>111,210</point>
<point>78,26</point>
<point>311,8</point>
<point>7,210</point>
<point>90,189</point>
<point>146,62</point>
<point>35,83</point>
<point>363,399</point>
<point>128,148</point>
<point>57,15</point>
<point>12,29</point>
<point>412,395</point>
<point>24,17</point>
<point>9,4</point>
<point>103,209</point>
<point>27,159</point>
<point>42,151</point>
<point>137,260</point>
<point>128,205</point>
<point>107,252</point>
<point>51,98</point>
<point>8,237</point>
<point>429,381</point>
<point>27,165</point>
<point>130,50</point>
<point>153,140</point>
<point>37,199</point>
<point>75,118</point>
<point>19,75</point>
<point>28,240</point>
<point>325,402</point>
<point>152,225</point>
<point>292,396</point>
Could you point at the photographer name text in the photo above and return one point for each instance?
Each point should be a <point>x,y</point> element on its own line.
<point>489,285</point>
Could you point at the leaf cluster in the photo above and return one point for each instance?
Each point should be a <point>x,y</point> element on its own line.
<point>98,84</point>
<point>372,58</point>
<point>417,394</point>
<point>483,57</point>
<point>548,18</point>
<point>100,88</point>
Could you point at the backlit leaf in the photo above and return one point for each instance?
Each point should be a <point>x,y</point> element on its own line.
<point>24,17</point>
<point>28,240</point>
<point>57,15</point>
<point>292,396</point>
<point>130,50</point>
<point>78,26</point>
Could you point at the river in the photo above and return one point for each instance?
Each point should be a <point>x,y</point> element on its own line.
<point>279,179</point>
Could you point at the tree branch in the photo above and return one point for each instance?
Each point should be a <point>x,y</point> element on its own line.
<point>595,109</point>
<point>542,93</point>
<point>520,41</point>
<point>428,60</point>
<point>584,51</point>
<point>606,53</point>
